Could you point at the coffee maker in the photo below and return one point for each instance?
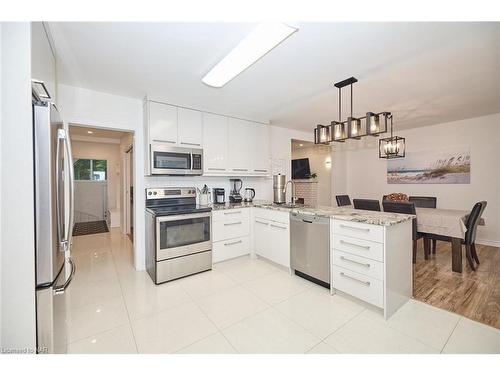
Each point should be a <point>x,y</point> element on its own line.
<point>218,196</point>
<point>234,194</point>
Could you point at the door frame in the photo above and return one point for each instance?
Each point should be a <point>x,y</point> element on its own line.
<point>127,179</point>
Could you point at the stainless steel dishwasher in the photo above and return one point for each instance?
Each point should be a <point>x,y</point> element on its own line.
<point>310,247</point>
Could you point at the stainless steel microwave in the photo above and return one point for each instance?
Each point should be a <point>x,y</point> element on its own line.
<point>172,160</point>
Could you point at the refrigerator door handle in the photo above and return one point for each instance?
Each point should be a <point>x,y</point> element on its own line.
<point>66,241</point>
<point>60,289</point>
<point>71,184</point>
<point>59,213</point>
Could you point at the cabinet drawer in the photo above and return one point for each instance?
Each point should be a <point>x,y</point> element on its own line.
<point>359,247</point>
<point>365,266</point>
<point>224,250</point>
<point>273,215</point>
<point>360,286</point>
<point>232,214</point>
<point>359,230</point>
<point>224,230</point>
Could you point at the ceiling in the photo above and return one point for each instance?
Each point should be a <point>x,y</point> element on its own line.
<point>83,131</point>
<point>425,73</point>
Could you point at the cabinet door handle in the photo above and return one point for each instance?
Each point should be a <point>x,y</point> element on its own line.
<point>355,228</point>
<point>190,144</point>
<point>216,169</point>
<point>355,245</point>
<point>232,212</point>
<point>367,283</point>
<point>232,243</point>
<point>163,141</point>
<point>355,262</point>
<point>278,226</point>
<point>240,169</point>
<point>236,223</point>
<point>260,170</point>
<point>261,222</point>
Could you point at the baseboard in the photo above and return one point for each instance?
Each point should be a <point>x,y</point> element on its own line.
<point>488,242</point>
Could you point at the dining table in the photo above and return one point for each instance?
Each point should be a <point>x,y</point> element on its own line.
<point>448,223</point>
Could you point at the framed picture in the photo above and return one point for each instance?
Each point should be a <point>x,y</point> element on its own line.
<point>443,166</point>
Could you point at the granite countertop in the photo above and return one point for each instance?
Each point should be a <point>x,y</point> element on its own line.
<point>339,213</point>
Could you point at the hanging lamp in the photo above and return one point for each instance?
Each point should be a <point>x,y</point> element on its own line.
<point>392,147</point>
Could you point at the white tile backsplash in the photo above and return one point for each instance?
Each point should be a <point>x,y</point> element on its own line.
<point>263,185</point>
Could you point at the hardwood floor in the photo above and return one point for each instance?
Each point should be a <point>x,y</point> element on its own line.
<point>475,295</point>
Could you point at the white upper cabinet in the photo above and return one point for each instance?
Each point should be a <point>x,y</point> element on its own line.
<point>260,137</point>
<point>214,144</point>
<point>231,146</point>
<point>240,146</point>
<point>189,127</point>
<point>162,123</point>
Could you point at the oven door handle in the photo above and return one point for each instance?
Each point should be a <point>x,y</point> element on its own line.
<point>183,216</point>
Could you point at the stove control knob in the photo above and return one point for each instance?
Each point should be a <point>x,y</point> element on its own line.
<point>154,193</point>
<point>149,193</point>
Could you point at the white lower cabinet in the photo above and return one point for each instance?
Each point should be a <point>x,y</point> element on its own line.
<point>230,234</point>
<point>271,231</point>
<point>372,262</point>
<point>228,249</point>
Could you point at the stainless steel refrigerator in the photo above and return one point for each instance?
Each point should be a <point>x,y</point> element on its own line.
<point>53,175</point>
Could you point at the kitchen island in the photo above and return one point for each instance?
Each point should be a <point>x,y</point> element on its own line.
<point>369,252</point>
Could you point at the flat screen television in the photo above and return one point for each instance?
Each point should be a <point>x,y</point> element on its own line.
<point>300,168</point>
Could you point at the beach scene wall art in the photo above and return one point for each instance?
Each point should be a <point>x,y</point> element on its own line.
<point>442,166</point>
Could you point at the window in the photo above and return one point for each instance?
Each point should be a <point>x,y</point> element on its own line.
<point>90,169</point>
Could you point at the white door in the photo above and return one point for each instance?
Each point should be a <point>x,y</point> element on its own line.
<point>240,146</point>
<point>279,244</point>
<point>261,237</point>
<point>162,123</point>
<point>190,127</point>
<point>260,144</point>
<point>214,144</point>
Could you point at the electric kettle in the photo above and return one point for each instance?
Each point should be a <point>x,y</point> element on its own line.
<point>249,194</point>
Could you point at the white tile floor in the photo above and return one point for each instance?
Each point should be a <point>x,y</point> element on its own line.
<point>241,306</point>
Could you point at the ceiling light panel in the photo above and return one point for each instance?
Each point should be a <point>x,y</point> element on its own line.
<point>260,41</point>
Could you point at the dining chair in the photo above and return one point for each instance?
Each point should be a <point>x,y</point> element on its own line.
<point>469,239</point>
<point>425,202</point>
<point>366,204</point>
<point>470,235</point>
<point>408,208</point>
<point>343,200</point>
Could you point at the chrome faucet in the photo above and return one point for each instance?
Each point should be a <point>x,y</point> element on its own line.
<point>293,190</point>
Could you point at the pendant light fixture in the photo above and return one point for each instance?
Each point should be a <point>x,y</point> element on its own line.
<point>392,147</point>
<point>372,124</point>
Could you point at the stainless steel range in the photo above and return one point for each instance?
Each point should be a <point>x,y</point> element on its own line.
<point>178,234</point>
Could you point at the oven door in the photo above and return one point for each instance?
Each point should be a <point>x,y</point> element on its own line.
<point>181,235</point>
<point>171,160</point>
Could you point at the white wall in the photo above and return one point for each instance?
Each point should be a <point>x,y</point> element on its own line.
<point>98,109</point>
<point>281,149</point>
<point>360,173</point>
<point>104,151</point>
<point>1,116</point>
<point>318,156</point>
<point>17,212</point>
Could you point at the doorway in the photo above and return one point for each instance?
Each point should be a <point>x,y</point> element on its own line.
<point>99,187</point>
